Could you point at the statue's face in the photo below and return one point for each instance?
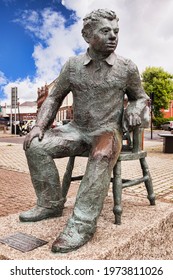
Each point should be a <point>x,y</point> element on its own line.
<point>104,36</point>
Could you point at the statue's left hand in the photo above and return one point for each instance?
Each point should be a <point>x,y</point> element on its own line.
<point>131,120</point>
<point>134,119</point>
<point>35,132</point>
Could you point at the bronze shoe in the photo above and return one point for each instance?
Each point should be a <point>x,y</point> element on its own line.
<point>39,213</point>
<point>67,243</point>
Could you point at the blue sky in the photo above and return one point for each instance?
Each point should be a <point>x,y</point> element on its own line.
<point>16,46</point>
<point>38,36</point>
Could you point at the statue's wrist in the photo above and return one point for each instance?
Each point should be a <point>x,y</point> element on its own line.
<point>36,125</point>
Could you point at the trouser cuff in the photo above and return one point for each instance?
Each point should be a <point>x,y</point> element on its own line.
<point>52,204</point>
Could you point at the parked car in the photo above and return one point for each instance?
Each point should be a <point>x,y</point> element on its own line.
<point>167,125</point>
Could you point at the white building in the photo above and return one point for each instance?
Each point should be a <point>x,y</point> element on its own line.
<point>24,111</point>
<point>28,110</point>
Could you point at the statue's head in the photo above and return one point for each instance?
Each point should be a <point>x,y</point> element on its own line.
<point>101,24</point>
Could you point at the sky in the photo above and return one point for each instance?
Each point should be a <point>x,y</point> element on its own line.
<point>38,36</point>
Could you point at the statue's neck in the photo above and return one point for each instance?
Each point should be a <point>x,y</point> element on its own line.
<point>97,55</point>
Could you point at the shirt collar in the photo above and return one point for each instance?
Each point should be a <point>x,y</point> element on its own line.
<point>110,59</point>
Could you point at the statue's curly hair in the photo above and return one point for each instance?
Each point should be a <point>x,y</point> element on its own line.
<point>93,17</point>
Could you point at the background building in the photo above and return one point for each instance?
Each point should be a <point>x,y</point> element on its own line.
<point>24,111</point>
<point>168,113</point>
<point>29,109</point>
<point>66,110</point>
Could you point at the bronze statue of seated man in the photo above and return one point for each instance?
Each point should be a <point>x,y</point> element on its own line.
<point>98,79</point>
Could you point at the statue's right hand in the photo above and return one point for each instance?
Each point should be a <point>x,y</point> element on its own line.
<point>35,132</point>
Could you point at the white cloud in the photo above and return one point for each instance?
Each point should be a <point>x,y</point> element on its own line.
<point>60,44</point>
<point>3,79</point>
<point>27,89</point>
<point>145,28</point>
<point>41,24</point>
<point>57,43</point>
<point>145,36</point>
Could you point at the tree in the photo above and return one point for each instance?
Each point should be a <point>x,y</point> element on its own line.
<point>159,83</point>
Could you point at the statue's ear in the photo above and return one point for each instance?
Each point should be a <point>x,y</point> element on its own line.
<point>87,33</point>
<point>86,36</point>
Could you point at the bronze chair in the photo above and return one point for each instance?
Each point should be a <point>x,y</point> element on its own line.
<point>132,150</point>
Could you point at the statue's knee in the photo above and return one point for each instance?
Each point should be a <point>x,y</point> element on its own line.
<point>103,155</point>
<point>34,148</point>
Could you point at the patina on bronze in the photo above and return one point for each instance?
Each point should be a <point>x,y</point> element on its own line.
<point>98,79</point>
<point>23,242</point>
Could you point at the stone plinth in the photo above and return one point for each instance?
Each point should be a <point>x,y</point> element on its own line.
<point>145,233</point>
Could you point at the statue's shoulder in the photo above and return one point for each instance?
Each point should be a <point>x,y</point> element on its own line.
<point>128,63</point>
<point>78,59</point>
<point>76,62</point>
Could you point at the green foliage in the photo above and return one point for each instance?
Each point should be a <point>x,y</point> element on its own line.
<point>156,80</point>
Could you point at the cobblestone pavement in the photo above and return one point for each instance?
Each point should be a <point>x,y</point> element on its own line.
<point>17,194</point>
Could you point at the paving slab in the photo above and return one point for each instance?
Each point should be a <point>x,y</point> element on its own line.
<point>160,165</point>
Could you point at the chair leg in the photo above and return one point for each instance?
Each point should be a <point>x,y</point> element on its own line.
<point>148,183</point>
<point>67,176</point>
<point>117,192</point>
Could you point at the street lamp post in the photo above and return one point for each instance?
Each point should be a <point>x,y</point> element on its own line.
<point>13,105</point>
<point>151,110</point>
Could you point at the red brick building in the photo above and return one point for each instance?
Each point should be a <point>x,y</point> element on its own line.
<point>168,113</point>
<point>66,110</point>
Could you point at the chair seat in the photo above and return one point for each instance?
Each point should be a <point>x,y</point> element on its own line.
<point>128,155</point>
